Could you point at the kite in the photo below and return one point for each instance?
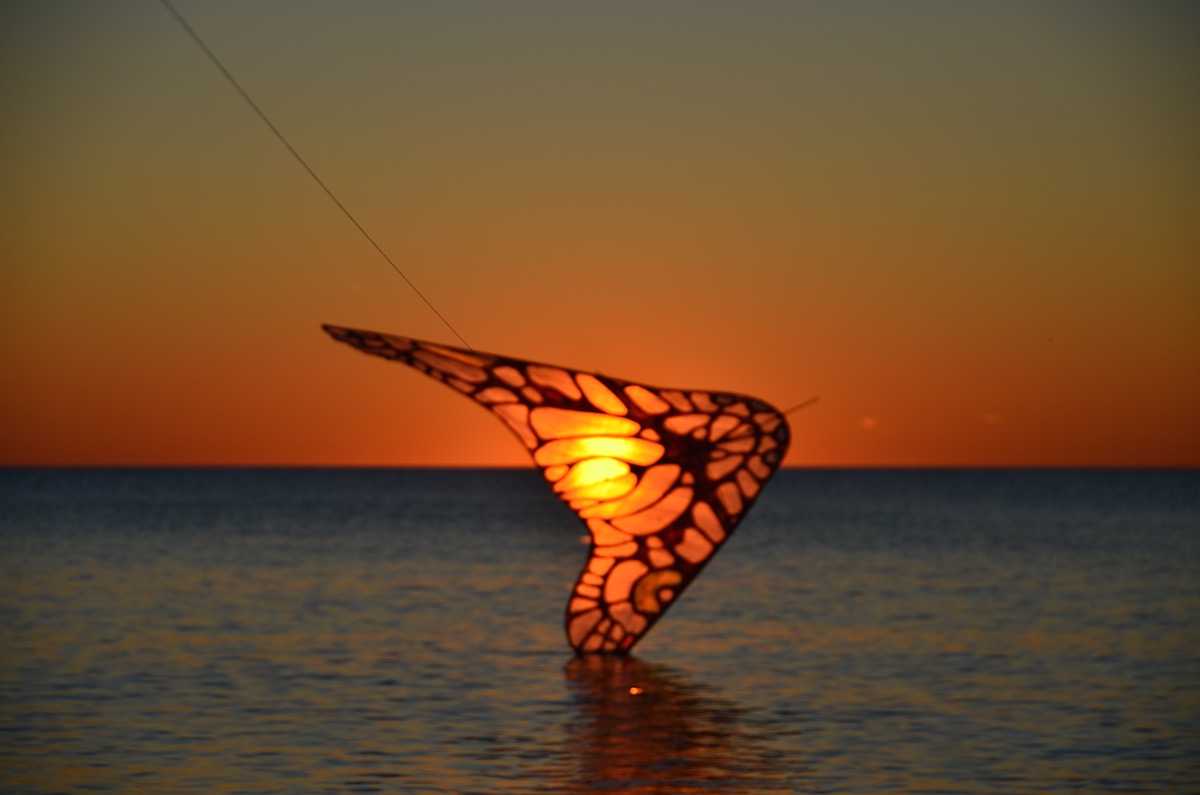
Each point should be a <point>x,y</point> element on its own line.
<point>661,477</point>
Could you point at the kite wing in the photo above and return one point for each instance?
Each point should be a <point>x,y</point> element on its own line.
<point>661,477</point>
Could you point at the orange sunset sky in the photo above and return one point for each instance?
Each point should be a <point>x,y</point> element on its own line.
<point>973,229</point>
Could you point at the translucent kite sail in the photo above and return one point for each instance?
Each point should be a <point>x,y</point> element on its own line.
<point>661,477</point>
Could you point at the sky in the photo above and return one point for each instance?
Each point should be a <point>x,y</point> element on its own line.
<point>970,229</point>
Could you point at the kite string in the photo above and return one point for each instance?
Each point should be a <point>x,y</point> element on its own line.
<point>254,105</point>
<point>802,405</point>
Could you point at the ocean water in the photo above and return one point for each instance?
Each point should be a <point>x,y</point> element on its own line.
<point>400,631</point>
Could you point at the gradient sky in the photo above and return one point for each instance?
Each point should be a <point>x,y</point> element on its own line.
<point>972,229</point>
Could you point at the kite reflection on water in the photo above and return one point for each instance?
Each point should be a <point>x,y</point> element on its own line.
<point>641,727</point>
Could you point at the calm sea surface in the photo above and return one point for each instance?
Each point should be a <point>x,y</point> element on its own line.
<point>297,631</point>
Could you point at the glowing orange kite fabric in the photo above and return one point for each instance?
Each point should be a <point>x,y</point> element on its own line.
<point>661,477</point>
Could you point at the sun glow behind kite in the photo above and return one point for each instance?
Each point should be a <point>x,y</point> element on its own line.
<point>661,477</point>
